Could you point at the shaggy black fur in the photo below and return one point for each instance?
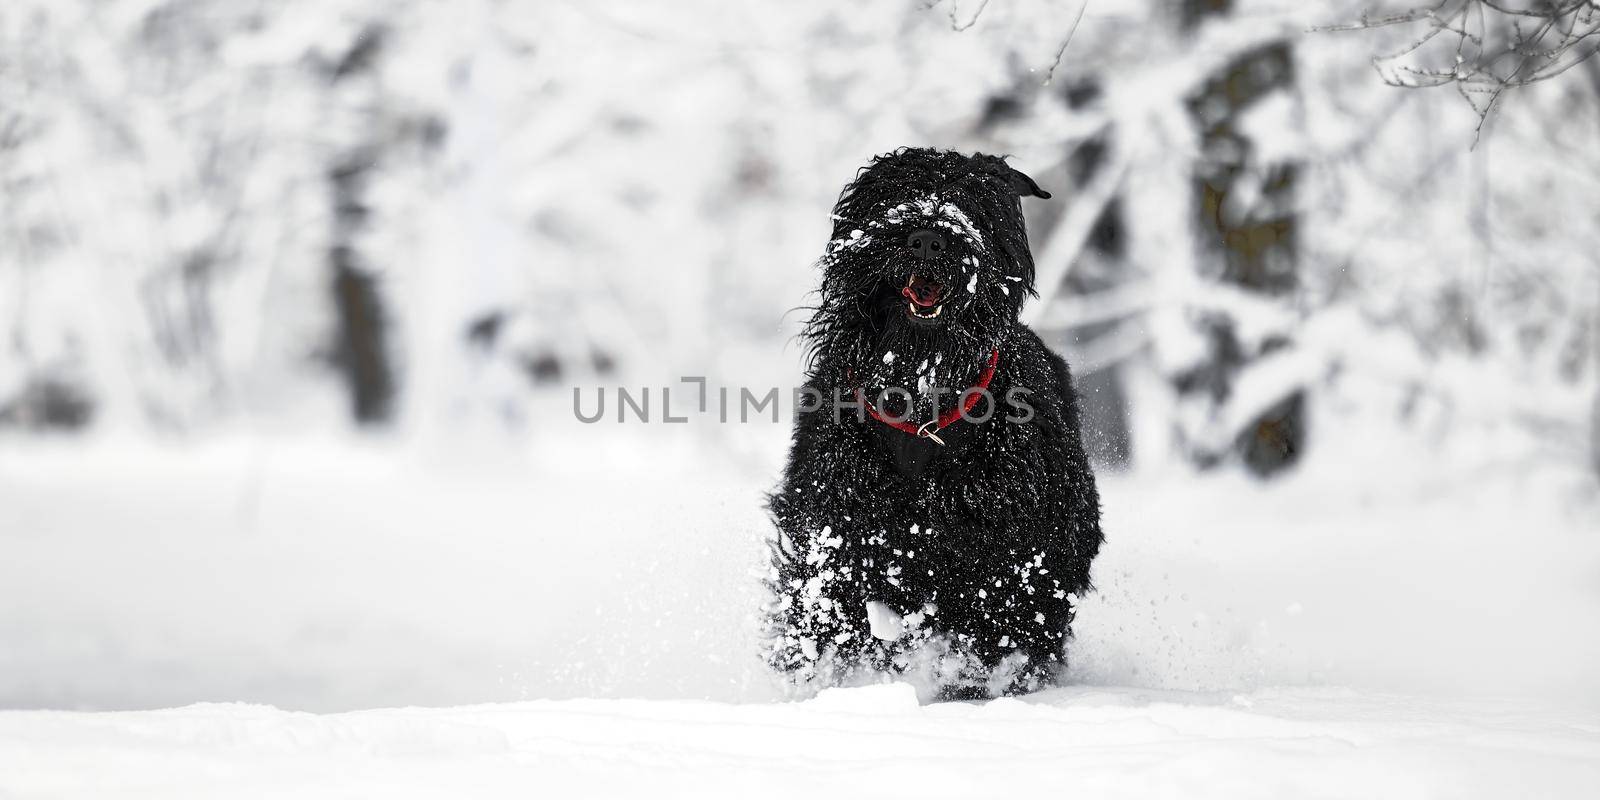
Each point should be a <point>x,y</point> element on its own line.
<point>979,544</point>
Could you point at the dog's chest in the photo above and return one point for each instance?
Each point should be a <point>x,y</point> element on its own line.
<point>913,455</point>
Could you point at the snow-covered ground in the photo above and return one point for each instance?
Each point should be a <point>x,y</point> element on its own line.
<point>1388,621</point>
<point>1084,742</point>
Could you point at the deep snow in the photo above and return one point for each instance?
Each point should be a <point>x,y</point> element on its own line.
<point>1397,618</point>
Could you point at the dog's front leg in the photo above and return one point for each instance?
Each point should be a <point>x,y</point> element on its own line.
<point>821,580</point>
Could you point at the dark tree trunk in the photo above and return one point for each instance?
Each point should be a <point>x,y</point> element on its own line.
<point>362,347</point>
<point>1251,248</point>
<point>362,353</point>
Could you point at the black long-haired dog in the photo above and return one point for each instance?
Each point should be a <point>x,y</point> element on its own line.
<point>937,515</point>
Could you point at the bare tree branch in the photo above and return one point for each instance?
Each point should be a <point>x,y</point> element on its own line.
<point>1485,48</point>
<point>956,25</point>
<point>1051,72</point>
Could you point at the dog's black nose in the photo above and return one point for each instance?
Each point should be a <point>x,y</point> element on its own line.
<point>925,243</point>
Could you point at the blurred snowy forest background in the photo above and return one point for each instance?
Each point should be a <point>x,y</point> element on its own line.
<point>234,228</point>
<point>412,215</point>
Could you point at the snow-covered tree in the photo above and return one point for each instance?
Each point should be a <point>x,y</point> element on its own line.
<point>430,212</point>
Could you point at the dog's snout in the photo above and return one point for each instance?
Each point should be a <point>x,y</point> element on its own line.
<point>925,243</point>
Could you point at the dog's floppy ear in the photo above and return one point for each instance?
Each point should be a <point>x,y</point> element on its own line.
<point>1023,185</point>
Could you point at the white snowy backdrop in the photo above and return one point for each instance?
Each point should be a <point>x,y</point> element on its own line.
<point>294,296</point>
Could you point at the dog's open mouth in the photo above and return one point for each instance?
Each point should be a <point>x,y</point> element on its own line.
<point>926,297</point>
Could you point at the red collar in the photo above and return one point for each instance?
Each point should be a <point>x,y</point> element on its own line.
<point>930,429</point>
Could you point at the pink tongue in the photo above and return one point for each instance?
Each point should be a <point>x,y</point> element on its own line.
<point>922,291</point>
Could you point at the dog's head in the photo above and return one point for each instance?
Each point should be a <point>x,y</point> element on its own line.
<point>928,243</point>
